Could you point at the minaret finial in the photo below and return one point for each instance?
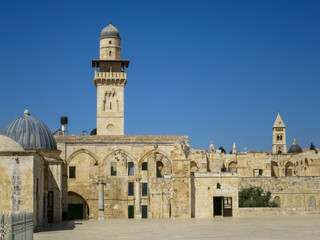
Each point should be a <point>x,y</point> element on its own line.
<point>110,21</point>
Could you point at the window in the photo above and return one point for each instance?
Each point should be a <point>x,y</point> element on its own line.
<point>144,166</point>
<point>130,169</point>
<point>109,42</point>
<point>218,185</point>
<point>72,172</point>
<point>159,169</point>
<point>109,53</point>
<point>257,172</point>
<point>144,191</point>
<point>130,189</point>
<point>113,169</point>
<point>144,211</point>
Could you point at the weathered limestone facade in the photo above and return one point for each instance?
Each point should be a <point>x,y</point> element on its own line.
<point>111,175</point>
<point>137,172</point>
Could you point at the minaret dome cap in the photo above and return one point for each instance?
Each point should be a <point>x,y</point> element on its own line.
<point>110,31</point>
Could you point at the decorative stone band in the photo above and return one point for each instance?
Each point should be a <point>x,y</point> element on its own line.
<point>110,78</point>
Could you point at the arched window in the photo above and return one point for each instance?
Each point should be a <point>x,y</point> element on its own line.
<point>277,200</point>
<point>160,169</point>
<point>193,166</point>
<point>278,137</point>
<point>109,53</point>
<point>232,167</point>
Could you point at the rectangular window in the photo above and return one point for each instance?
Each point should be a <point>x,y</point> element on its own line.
<point>72,172</point>
<point>257,172</point>
<point>130,169</point>
<point>114,169</point>
<point>130,211</point>
<point>218,185</point>
<point>144,209</point>
<point>130,189</point>
<point>144,166</point>
<point>144,190</point>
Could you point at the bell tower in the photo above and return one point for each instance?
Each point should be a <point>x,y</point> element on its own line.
<point>279,136</point>
<point>110,78</point>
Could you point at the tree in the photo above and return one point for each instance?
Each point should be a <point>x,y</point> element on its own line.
<point>312,147</point>
<point>222,149</point>
<point>255,197</point>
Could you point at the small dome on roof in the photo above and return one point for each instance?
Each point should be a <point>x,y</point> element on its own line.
<point>9,145</point>
<point>30,133</point>
<point>110,32</point>
<point>295,148</point>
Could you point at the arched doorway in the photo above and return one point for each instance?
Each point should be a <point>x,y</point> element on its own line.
<point>77,206</point>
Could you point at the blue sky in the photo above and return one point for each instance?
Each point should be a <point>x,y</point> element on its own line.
<point>212,70</point>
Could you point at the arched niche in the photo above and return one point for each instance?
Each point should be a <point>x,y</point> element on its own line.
<point>232,167</point>
<point>193,166</point>
<point>274,169</point>
<point>289,169</point>
<point>158,164</point>
<point>277,200</point>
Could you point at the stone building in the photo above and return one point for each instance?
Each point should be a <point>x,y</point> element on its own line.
<point>111,175</point>
<point>33,177</point>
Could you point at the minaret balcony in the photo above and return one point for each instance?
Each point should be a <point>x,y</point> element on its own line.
<point>110,78</point>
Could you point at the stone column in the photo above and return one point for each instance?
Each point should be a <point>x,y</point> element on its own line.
<point>101,200</point>
<point>138,197</point>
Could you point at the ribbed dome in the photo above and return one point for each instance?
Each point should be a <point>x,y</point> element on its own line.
<point>295,148</point>
<point>30,133</point>
<point>110,32</point>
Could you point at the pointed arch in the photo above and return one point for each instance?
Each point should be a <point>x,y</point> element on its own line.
<point>115,152</point>
<point>151,152</point>
<point>85,151</point>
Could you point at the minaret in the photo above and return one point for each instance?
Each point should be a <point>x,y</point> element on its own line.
<point>211,148</point>
<point>279,136</point>
<point>234,148</point>
<point>110,78</point>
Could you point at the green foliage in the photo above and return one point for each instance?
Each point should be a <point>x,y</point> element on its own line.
<point>312,147</point>
<point>255,197</point>
<point>222,149</point>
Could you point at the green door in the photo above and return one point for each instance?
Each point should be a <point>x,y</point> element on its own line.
<point>75,211</point>
<point>130,211</point>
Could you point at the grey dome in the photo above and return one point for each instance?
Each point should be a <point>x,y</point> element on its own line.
<point>30,133</point>
<point>110,32</point>
<point>295,149</point>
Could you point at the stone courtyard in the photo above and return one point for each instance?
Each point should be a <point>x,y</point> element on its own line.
<point>284,227</point>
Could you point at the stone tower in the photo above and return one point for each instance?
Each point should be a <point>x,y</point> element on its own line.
<point>279,144</point>
<point>110,78</point>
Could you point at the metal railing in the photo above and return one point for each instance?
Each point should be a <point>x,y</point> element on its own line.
<point>16,226</point>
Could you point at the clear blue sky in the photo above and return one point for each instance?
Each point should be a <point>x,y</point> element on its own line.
<point>212,70</point>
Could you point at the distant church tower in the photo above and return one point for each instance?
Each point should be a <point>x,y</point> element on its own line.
<point>279,136</point>
<point>110,78</point>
